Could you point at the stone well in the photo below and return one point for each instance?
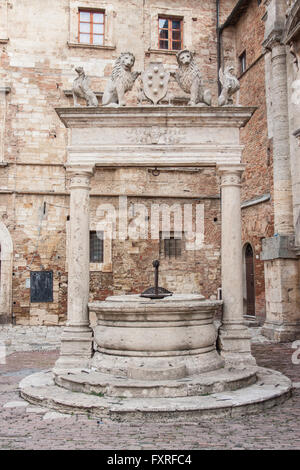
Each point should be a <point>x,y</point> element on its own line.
<point>149,339</point>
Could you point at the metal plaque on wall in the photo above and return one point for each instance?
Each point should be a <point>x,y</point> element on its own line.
<point>41,286</point>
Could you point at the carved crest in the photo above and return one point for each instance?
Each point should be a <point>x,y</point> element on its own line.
<point>155,81</point>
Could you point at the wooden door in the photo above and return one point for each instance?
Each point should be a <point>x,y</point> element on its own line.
<point>250,280</point>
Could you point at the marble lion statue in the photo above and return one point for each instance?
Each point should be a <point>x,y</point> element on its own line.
<point>189,79</point>
<point>121,81</point>
<point>81,89</point>
<point>230,85</point>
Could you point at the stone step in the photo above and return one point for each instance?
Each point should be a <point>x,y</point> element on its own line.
<point>270,389</point>
<point>226,379</point>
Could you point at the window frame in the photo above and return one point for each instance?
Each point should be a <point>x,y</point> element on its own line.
<point>91,11</point>
<point>163,248</point>
<point>102,249</point>
<point>170,31</point>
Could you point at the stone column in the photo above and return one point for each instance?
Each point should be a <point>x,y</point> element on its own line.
<point>283,201</point>
<point>280,261</point>
<point>234,338</point>
<point>76,343</point>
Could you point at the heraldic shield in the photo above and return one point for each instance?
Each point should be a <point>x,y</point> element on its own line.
<point>155,82</point>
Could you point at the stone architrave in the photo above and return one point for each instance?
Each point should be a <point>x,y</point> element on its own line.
<point>76,341</point>
<point>234,336</point>
<point>155,81</point>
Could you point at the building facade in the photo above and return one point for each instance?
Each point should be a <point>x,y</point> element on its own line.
<point>41,45</point>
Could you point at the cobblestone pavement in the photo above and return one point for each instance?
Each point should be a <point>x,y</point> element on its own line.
<point>28,427</point>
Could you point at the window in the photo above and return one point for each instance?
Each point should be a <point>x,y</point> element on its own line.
<point>242,60</point>
<point>170,247</point>
<point>170,34</point>
<point>96,247</point>
<point>91,27</point>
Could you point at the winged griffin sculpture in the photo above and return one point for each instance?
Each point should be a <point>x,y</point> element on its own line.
<point>230,85</point>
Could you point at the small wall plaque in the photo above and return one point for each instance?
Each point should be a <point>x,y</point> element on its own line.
<point>41,286</point>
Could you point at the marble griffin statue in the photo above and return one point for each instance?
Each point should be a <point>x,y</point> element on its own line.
<point>81,89</point>
<point>230,85</point>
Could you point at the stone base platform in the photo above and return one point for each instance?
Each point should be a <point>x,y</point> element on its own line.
<point>270,388</point>
<point>204,384</point>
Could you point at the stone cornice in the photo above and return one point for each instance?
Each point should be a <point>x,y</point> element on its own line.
<point>129,116</point>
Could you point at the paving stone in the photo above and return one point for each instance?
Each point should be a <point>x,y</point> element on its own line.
<point>15,404</point>
<point>272,429</point>
<point>36,409</point>
<point>56,415</point>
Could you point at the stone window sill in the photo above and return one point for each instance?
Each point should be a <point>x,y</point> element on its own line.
<point>4,40</point>
<point>160,51</point>
<point>102,267</point>
<point>90,46</point>
<point>69,93</point>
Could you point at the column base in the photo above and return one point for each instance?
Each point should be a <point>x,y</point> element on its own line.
<point>281,333</point>
<point>234,343</point>
<point>251,321</point>
<point>76,349</point>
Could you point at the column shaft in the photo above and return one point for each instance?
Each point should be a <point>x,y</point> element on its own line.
<point>78,256</point>
<point>283,202</point>
<point>76,342</point>
<point>234,338</point>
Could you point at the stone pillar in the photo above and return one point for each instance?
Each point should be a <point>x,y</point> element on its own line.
<point>234,338</point>
<point>283,201</point>
<point>76,343</point>
<point>281,265</point>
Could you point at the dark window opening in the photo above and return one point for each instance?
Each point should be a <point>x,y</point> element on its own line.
<point>242,60</point>
<point>171,246</point>
<point>96,247</point>
<point>250,280</point>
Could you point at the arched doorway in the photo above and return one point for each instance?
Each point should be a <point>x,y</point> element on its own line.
<point>250,280</point>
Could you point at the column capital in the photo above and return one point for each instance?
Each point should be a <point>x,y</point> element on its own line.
<point>80,175</point>
<point>80,170</point>
<point>273,40</point>
<point>230,173</point>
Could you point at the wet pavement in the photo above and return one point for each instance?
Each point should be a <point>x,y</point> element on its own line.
<point>24,426</point>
